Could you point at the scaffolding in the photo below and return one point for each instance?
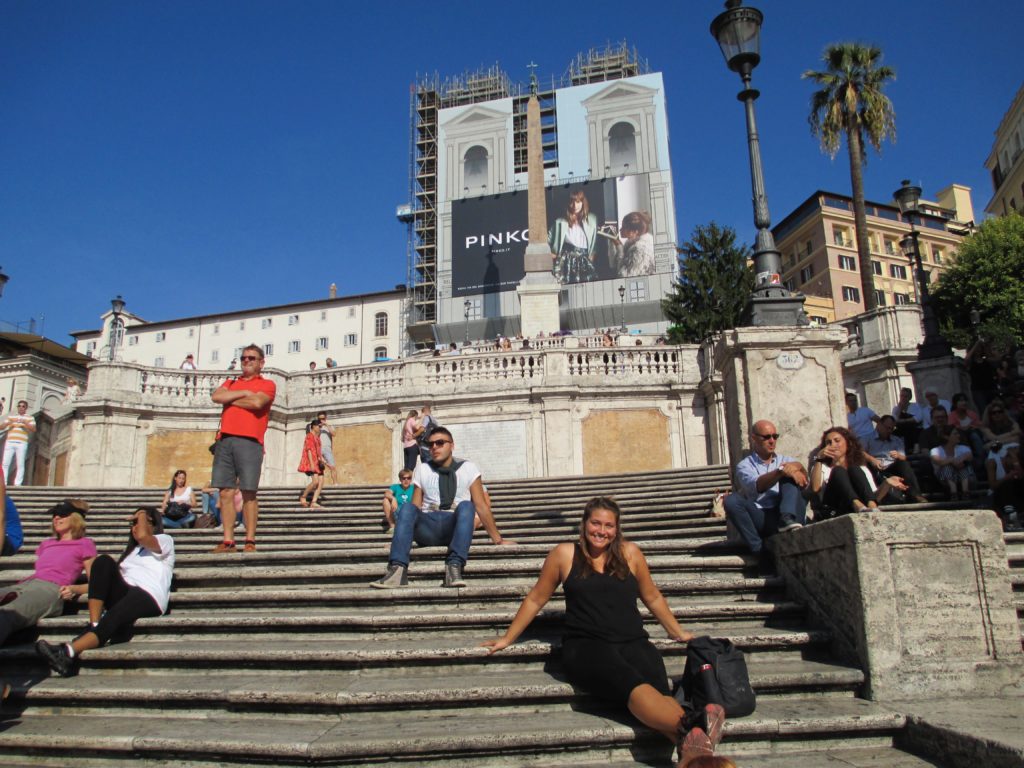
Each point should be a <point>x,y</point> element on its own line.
<point>429,95</point>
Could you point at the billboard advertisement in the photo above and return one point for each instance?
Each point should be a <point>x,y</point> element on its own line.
<point>596,230</point>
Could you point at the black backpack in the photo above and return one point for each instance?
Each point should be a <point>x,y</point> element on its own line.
<point>716,673</point>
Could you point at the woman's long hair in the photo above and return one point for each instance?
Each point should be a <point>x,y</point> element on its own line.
<point>571,216</point>
<point>616,563</point>
<point>854,453</point>
<point>155,520</point>
<point>174,485</point>
<point>1004,424</point>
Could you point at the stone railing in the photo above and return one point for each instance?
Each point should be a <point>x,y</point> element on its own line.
<point>411,378</point>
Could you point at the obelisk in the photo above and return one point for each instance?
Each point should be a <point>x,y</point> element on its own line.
<point>538,290</point>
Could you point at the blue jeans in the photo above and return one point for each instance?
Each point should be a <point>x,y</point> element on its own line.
<point>433,529</point>
<point>210,503</point>
<point>185,522</point>
<point>756,524</point>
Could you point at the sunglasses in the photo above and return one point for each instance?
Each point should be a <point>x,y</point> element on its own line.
<point>769,436</point>
<point>249,358</point>
<point>437,443</point>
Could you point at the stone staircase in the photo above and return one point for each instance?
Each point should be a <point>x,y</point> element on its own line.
<point>286,657</point>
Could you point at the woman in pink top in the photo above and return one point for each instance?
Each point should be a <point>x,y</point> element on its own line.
<point>409,447</point>
<point>59,563</point>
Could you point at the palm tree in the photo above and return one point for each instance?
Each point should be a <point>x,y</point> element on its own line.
<point>851,102</point>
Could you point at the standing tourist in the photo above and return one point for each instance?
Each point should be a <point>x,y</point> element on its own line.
<point>238,457</point>
<point>312,464</point>
<point>19,426</point>
<point>327,446</point>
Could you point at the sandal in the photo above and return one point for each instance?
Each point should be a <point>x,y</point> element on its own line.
<point>250,545</point>
<point>225,546</point>
<point>303,502</point>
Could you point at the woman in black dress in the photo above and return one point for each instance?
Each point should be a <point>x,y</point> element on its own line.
<point>606,650</point>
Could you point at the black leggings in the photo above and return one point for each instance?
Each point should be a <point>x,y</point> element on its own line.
<point>124,603</point>
<point>611,671</point>
<point>843,487</point>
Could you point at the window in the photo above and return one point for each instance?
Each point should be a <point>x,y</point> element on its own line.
<point>133,340</point>
<point>879,298</point>
<point>898,271</point>
<point>475,308</point>
<point>818,320</point>
<point>380,324</point>
<point>351,339</point>
<point>268,350</point>
<point>90,347</point>
<point>841,236</point>
<point>191,333</point>
<point>158,362</point>
<point>241,325</point>
<point>936,255</point>
<point>873,240</point>
<point>807,247</point>
<point>637,290</point>
<point>266,323</point>
<point>851,294</point>
<point>323,314</point>
<point>216,329</point>
<point>622,146</point>
<point>214,355</point>
<point>474,168</point>
<point>321,343</point>
<point>848,262</point>
<point>876,267</point>
<point>890,246</point>
<point>790,285</point>
<point>380,353</point>
<point>161,336</point>
<point>899,299</point>
<point>351,311</point>
<point>295,346</point>
<point>238,353</point>
<point>293,319</point>
<point>806,273</point>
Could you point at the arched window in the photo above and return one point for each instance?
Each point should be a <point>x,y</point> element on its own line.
<point>622,146</point>
<point>380,353</point>
<point>380,324</point>
<point>475,169</point>
<point>116,332</point>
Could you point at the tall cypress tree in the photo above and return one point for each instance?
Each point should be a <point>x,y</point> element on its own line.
<point>715,281</point>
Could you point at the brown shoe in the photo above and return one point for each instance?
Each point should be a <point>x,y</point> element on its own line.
<point>250,545</point>
<point>696,744</point>
<point>714,720</point>
<point>225,546</point>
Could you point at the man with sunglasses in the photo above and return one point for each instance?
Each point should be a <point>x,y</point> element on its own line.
<point>238,456</point>
<point>448,495</point>
<point>769,492</point>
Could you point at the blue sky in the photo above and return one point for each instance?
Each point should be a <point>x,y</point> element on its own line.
<point>218,155</point>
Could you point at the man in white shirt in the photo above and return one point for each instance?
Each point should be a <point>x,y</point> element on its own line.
<point>448,495</point>
<point>19,426</point>
<point>931,396</point>
<point>860,419</point>
<point>887,453</point>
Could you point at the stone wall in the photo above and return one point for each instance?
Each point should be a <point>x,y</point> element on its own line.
<point>640,437</point>
<point>921,601</point>
<point>168,450</point>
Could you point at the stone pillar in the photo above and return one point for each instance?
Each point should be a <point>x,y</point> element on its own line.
<point>921,601</point>
<point>788,374</point>
<point>946,375</point>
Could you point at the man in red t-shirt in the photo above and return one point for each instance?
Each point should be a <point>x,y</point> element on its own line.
<point>238,457</point>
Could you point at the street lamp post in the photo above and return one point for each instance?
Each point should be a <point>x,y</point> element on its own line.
<point>622,309</point>
<point>3,280</point>
<point>908,198</point>
<point>117,307</point>
<point>466,305</point>
<point>738,32</point>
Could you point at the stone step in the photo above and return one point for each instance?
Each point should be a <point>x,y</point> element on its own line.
<point>487,683</point>
<point>539,734</point>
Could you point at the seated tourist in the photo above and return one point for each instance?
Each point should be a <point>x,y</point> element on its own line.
<point>395,497</point>
<point>178,503</point>
<point>931,396</point>
<point>860,419</point>
<point>952,463</point>
<point>840,481</point>
<point>11,534</point>
<point>768,494</point>
<point>1008,491</point>
<point>930,436</point>
<point>999,433</point>
<point>210,498</point>
<point>909,418</point>
<point>967,421</point>
<point>60,562</point>
<point>136,586</point>
<point>886,453</point>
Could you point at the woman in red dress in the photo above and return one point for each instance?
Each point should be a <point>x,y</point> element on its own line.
<point>312,464</point>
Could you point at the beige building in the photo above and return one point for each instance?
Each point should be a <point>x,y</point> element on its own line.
<point>819,253</point>
<point>351,330</point>
<point>1006,161</point>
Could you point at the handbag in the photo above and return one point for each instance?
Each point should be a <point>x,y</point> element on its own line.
<point>716,673</point>
<point>175,510</point>
<point>205,520</point>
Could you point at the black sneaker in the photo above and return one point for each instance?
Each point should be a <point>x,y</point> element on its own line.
<point>789,524</point>
<point>385,526</point>
<point>57,657</point>
<point>453,575</point>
